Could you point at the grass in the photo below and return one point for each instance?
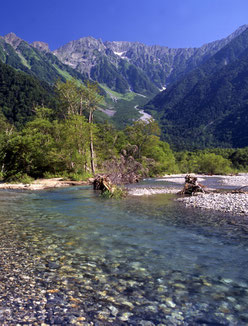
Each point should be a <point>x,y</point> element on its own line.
<point>24,61</point>
<point>64,73</point>
<point>129,96</point>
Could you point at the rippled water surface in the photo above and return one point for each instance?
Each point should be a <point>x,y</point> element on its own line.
<point>147,260</point>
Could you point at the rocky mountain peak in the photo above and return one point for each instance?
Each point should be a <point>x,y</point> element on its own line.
<point>12,39</point>
<point>239,31</point>
<point>41,46</point>
<point>85,43</point>
<point>81,54</point>
<point>92,43</point>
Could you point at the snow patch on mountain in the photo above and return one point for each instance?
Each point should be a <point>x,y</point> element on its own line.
<point>121,54</point>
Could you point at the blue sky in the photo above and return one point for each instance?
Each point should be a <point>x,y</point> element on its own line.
<point>172,23</point>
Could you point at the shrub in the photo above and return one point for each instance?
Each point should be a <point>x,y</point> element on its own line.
<point>117,193</point>
<point>79,176</point>
<point>20,178</point>
<point>211,163</point>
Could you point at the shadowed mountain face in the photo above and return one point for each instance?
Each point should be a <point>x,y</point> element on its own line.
<point>209,106</point>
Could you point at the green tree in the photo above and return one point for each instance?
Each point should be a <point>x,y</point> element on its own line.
<point>239,159</point>
<point>76,98</point>
<point>29,152</point>
<point>91,99</point>
<point>107,143</point>
<point>72,139</point>
<point>213,164</point>
<point>143,134</point>
<point>186,161</point>
<point>6,129</point>
<point>70,96</point>
<point>164,159</point>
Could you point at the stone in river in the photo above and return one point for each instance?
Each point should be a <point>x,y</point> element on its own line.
<point>53,265</point>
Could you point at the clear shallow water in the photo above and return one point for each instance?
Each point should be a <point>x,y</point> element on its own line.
<point>151,258</point>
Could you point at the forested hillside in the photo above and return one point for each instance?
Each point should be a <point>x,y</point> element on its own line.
<point>20,94</point>
<point>209,107</point>
<point>35,61</point>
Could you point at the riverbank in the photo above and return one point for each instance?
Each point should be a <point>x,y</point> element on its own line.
<point>41,184</point>
<point>226,202</point>
<point>234,203</point>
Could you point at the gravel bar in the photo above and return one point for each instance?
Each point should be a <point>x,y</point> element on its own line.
<point>229,202</point>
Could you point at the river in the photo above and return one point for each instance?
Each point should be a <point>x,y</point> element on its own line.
<point>137,261</point>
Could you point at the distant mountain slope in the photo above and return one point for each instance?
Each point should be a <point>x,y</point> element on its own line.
<point>209,107</point>
<point>35,59</point>
<point>20,94</point>
<point>125,66</point>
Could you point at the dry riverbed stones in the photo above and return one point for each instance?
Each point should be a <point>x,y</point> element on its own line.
<point>226,202</point>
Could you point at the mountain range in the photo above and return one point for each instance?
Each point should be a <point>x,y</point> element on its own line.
<point>125,66</point>
<point>178,84</point>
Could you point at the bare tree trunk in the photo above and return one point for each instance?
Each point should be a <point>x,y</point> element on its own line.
<point>92,153</point>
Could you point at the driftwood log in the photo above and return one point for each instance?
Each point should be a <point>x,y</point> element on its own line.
<point>191,186</point>
<point>103,183</point>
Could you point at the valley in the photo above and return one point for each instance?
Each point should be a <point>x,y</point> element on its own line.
<point>135,75</point>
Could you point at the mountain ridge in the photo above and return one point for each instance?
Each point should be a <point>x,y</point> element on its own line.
<point>197,111</point>
<point>121,65</point>
<point>161,65</point>
<point>35,59</point>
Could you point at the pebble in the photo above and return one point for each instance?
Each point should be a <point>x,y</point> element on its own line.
<point>146,323</point>
<point>125,316</point>
<point>114,310</point>
<point>170,303</point>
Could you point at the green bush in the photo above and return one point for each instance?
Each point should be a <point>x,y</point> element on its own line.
<point>212,164</point>
<point>117,193</point>
<point>20,178</point>
<point>79,176</point>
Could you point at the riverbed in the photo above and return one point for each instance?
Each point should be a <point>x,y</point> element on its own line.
<point>69,257</point>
